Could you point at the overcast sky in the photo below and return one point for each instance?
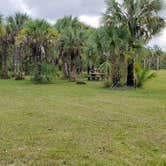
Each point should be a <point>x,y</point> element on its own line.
<point>88,11</point>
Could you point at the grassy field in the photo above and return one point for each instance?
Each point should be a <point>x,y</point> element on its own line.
<point>69,124</point>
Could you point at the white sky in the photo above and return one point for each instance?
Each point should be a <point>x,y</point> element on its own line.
<point>88,11</point>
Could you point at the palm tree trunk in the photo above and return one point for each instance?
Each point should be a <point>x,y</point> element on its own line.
<point>73,70</point>
<point>115,71</point>
<point>0,61</point>
<point>130,73</point>
<point>73,73</point>
<point>4,74</point>
<point>14,60</point>
<point>115,77</point>
<point>144,63</point>
<point>88,68</point>
<point>158,63</point>
<point>28,60</point>
<point>19,65</point>
<point>149,63</point>
<point>37,60</point>
<point>65,70</point>
<point>65,66</point>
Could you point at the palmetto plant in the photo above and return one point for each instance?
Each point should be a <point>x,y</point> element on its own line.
<point>142,20</point>
<point>48,72</point>
<point>105,67</point>
<point>142,75</point>
<point>39,36</point>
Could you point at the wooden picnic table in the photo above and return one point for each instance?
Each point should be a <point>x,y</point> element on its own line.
<point>97,76</point>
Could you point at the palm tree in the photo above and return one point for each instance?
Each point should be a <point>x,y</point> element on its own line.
<point>112,42</point>
<point>39,36</point>
<point>3,50</point>
<point>2,27</point>
<point>14,25</point>
<point>69,45</point>
<point>2,33</point>
<point>142,20</point>
<point>91,56</point>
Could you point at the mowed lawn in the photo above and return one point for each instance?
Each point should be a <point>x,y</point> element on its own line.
<point>69,124</point>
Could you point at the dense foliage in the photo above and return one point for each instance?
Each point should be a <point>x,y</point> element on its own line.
<point>36,48</point>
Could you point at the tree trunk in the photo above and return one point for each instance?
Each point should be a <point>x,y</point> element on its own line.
<point>115,72</point>
<point>4,74</point>
<point>37,55</point>
<point>19,65</point>
<point>144,63</point>
<point>130,73</point>
<point>73,70</point>
<point>158,63</point>
<point>149,63</point>
<point>116,77</point>
<point>65,66</point>
<point>28,61</point>
<point>0,61</point>
<point>65,70</point>
<point>14,60</point>
<point>88,68</point>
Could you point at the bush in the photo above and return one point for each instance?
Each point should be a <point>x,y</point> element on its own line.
<point>142,75</point>
<point>48,74</point>
<point>4,75</point>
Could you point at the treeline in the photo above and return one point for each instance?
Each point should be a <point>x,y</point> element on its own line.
<point>153,58</point>
<point>36,48</point>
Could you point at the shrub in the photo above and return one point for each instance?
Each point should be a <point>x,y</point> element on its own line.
<point>4,75</point>
<point>48,74</point>
<point>142,75</point>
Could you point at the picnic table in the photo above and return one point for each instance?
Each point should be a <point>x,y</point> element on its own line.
<point>97,76</point>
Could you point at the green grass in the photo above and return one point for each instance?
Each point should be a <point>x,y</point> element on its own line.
<point>69,124</point>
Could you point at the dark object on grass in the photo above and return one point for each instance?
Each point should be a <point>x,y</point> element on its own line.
<point>81,83</point>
